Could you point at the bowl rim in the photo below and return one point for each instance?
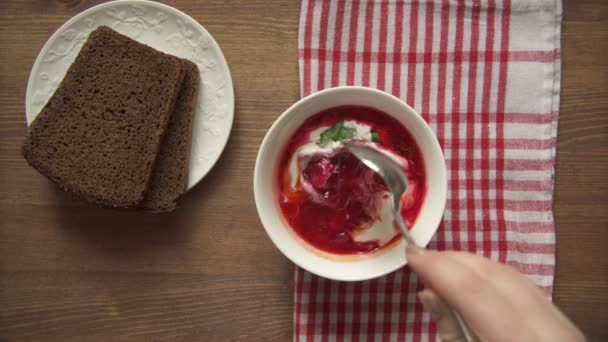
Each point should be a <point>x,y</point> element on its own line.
<point>257,179</point>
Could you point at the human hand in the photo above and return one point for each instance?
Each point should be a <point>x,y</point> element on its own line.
<point>495,301</point>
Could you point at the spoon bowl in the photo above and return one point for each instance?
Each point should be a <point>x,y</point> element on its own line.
<point>393,176</point>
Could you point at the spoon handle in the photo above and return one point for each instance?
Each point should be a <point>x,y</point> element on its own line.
<point>403,228</point>
<point>464,328</point>
<point>466,332</point>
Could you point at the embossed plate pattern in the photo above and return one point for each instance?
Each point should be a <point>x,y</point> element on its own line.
<point>161,27</point>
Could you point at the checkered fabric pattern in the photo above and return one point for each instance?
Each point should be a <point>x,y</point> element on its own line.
<point>486,76</point>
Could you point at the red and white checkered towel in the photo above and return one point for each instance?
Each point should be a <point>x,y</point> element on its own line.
<point>486,76</point>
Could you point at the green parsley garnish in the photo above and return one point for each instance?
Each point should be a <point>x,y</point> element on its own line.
<point>337,132</point>
<point>375,137</point>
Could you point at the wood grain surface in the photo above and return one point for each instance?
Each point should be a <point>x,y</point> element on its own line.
<point>71,272</point>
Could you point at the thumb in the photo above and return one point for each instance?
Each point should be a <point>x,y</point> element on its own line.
<point>442,314</point>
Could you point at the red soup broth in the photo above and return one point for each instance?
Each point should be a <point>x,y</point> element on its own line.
<point>328,228</point>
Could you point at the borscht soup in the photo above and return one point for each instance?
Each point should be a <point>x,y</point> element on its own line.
<point>329,198</point>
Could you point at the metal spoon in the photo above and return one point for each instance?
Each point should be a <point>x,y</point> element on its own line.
<point>396,182</point>
<point>394,178</point>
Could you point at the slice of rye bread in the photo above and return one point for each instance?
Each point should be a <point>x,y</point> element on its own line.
<point>170,176</point>
<point>99,135</point>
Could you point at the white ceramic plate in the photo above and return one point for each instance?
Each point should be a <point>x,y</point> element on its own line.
<point>163,28</point>
<point>266,197</point>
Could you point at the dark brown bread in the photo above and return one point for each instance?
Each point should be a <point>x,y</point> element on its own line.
<point>99,134</point>
<point>170,177</point>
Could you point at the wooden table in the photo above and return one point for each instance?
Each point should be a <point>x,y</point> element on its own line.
<point>70,272</point>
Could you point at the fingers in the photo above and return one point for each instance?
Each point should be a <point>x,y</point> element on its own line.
<point>497,302</point>
<point>507,280</point>
<point>469,292</point>
<point>455,282</point>
<point>447,324</point>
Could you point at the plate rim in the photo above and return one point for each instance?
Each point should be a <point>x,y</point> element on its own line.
<point>212,41</point>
